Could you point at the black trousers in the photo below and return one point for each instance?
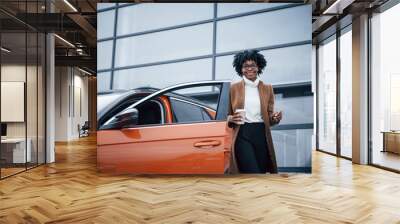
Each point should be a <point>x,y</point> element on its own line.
<point>251,148</point>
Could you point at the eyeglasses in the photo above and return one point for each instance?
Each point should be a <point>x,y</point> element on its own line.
<point>249,66</point>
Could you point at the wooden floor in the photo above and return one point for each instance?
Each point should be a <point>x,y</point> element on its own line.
<point>10,171</point>
<point>72,191</point>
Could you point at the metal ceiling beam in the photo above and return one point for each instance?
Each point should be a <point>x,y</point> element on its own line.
<point>49,22</point>
<point>82,61</point>
<point>337,7</point>
<point>320,22</point>
<point>86,26</point>
<point>80,20</point>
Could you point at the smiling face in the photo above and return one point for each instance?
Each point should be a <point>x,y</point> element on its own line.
<point>250,70</point>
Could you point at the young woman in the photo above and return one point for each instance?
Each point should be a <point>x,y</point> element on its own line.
<point>252,146</point>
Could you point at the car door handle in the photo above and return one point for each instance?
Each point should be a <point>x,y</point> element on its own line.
<point>207,144</point>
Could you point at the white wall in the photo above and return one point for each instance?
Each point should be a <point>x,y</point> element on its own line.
<point>61,103</point>
<point>16,73</point>
<point>33,125</point>
<point>12,73</point>
<point>70,83</point>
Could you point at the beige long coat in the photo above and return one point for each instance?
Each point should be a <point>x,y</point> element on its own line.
<point>237,97</point>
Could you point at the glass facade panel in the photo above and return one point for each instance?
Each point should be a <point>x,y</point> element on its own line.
<point>284,65</point>
<point>296,110</point>
<point>292,147</point>
<point>143,17</point>
<point>101,6</point>
<point>103,81</point>
<point>247,32</point>
<point>158,76</point>
<point>227,9</point>
<point>107,18</point>
<point>104,54</point>
<point>162,46</point>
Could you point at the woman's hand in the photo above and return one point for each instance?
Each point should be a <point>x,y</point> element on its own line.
<point>276,117</point>
<point>236,118</point>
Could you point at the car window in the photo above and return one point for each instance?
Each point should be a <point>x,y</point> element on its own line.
<point>184,103</point>
<point>194,104</point>
<point>203,95</point>
<point>184,111</point>
<point>150,112</point>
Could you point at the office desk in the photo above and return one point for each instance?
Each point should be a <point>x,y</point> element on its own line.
<point>391,141</point>
<point>13,150</point>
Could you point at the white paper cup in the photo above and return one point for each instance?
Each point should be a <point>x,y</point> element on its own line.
<point>242,113</point>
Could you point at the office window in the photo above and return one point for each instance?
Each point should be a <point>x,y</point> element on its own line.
<point>227,9</point>
<point>104,54</point>
<point>385,88</point>
<point>346,92</point>
<point>143,17</point>
<point>327,95</point>
<point>284,65</point>
<point>107,18</point>
<point>161,76</point>
<point>261,30</point>
<point>166,45</point>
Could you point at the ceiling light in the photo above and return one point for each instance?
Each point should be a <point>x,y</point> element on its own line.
<point>65,41</point>
<point>86,72</point>
<point>5,50</point>
<point>70,5</point>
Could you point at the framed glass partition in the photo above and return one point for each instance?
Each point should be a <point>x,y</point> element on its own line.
<point>15,151</point>
<point>22,77</point>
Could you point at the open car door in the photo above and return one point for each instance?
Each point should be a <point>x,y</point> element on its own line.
<point>196,141</point>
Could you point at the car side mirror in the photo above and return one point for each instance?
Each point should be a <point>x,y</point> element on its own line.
<point>125,119</point>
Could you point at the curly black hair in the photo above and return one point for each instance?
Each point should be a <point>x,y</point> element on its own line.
<point>246,55</point>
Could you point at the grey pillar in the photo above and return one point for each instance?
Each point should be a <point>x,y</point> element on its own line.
<point>360,90</point>
<point>50,93</point>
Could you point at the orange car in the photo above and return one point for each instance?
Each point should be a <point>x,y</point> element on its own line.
<point>181,129</point>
